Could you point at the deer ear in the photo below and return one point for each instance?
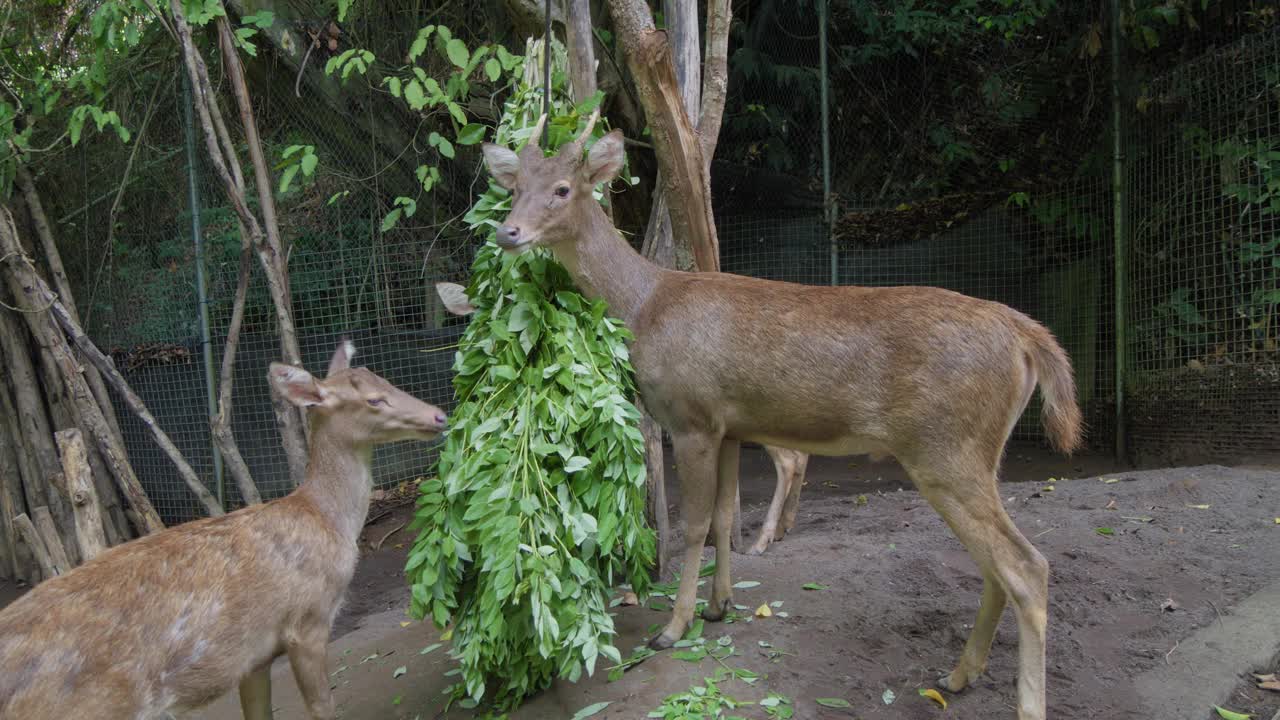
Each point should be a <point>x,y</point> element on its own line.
<point>503,164</point>
<point>605,159</point>
<point>296,385</point>
<point>341,359</point>
<point>455,298</point>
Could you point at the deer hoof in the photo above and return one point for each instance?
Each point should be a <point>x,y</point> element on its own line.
<point>661,642</point>
<point>758,549</point>
<point>954,682</point>
<point>715,612</point>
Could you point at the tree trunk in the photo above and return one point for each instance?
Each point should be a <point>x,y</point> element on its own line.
<point>61,285</point>
<point>582,54</point>
<point>31,294</point>
<point>682,169</point>
<point>221,426</point>
<point>84,497</point>
<point>273,256</point>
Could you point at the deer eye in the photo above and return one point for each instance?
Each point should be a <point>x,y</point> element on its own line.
<point>562,191</point>
<point>375,402</point>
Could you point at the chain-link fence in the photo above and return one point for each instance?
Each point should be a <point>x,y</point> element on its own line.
<point>972,168</point>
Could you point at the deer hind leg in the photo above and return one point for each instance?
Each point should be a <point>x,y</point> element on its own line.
<point>795,482</point>
<point>696,459</point>
<point>255,694</point>
<point>307,655</point>
<point>771,531</point>
<point>968,500</point>
<point>721,527</point>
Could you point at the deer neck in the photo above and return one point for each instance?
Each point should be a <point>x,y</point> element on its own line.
<point>605,266</point>
<point>339,478</point>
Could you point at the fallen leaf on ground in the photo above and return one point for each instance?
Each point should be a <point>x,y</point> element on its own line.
<point>400,671</point>
<point>814,586</point>
<point>1230,715</point>
<point>763,611</point>
<point>746,584</point>
<point>1111,505</point>
<point>1198,507</point>
<point>1278,521</point>
<point>833,702</point>
<point>590,710</point>
<point>1269,677</point>
<point>1110,481</point>
<point>862,500</point>
<point>1137,518</point>
<point>405,623</point>
<point>1169,605</point>
<point>1105,531</point>
<point>429,648</point>
<point>935,696</point>
<point>888,697</point>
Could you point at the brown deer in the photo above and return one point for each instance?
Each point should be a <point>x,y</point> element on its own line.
<point>171,621</point>
<point>788,464</point>
<point>931,377</point>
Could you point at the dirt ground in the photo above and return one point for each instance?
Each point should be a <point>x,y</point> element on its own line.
<point>900,595</point>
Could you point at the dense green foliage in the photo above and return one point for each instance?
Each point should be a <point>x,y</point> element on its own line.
<point>538,508</point>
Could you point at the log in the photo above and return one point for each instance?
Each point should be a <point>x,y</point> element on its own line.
<point>84,496</point>
<point>41,295</point>
<point>58,276</point>
<point>31,294</point>
<point>52,540</point>
<point>32,421</point>
<point>15,466</point>
<point>27,531</point>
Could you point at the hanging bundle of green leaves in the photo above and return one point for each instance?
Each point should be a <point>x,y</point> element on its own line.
<point>538,508</point>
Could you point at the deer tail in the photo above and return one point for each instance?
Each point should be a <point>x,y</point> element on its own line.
<point>1061,414</point>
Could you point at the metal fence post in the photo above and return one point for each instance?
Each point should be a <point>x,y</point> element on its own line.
<point>202,291</point>
<point>828,212</point>
<point>1119,228</point>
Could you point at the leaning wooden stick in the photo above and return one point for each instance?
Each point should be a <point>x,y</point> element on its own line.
<point>84,497</point>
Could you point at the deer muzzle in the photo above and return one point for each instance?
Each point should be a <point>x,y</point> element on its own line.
<point>510,238</point>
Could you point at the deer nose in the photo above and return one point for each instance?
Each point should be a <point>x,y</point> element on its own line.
<point>508,236</point>
<point>441,421</point>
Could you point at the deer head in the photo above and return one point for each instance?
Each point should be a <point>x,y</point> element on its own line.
<point>550,195</point>
<point>371,410</point>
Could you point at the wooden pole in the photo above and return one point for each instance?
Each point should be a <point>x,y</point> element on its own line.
<point>27,530</point>
<point>84,496</point>
<point>52,541</point>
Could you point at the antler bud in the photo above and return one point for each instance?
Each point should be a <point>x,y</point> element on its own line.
<point>574,149</point>
<point>533,147</point>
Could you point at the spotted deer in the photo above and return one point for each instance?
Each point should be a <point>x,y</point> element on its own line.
<point>933,378</point>
<point>789,465</point>
<point>169,622</point>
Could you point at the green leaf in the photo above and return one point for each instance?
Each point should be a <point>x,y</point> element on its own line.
<point>287,178</point>
<point>1105,531</point>
<point>833,702</point>
<point>262,19</point>
<point>1229,714</point>
<point>814,586</point>
<point>414,96</point>
<point>493,69</point>
<point>391,219</point>
<point>590,710</point>
<point>446,148</point>
<point>456,111</point>
<point>419,45</point>
<point>343,7</point>
<point>309,163</point>
<point>746,584</point>
<point>576,463</point>
<point>400,671</point>
<point>394,84</point>
<point>457,52</point>
<point>471,134</point>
